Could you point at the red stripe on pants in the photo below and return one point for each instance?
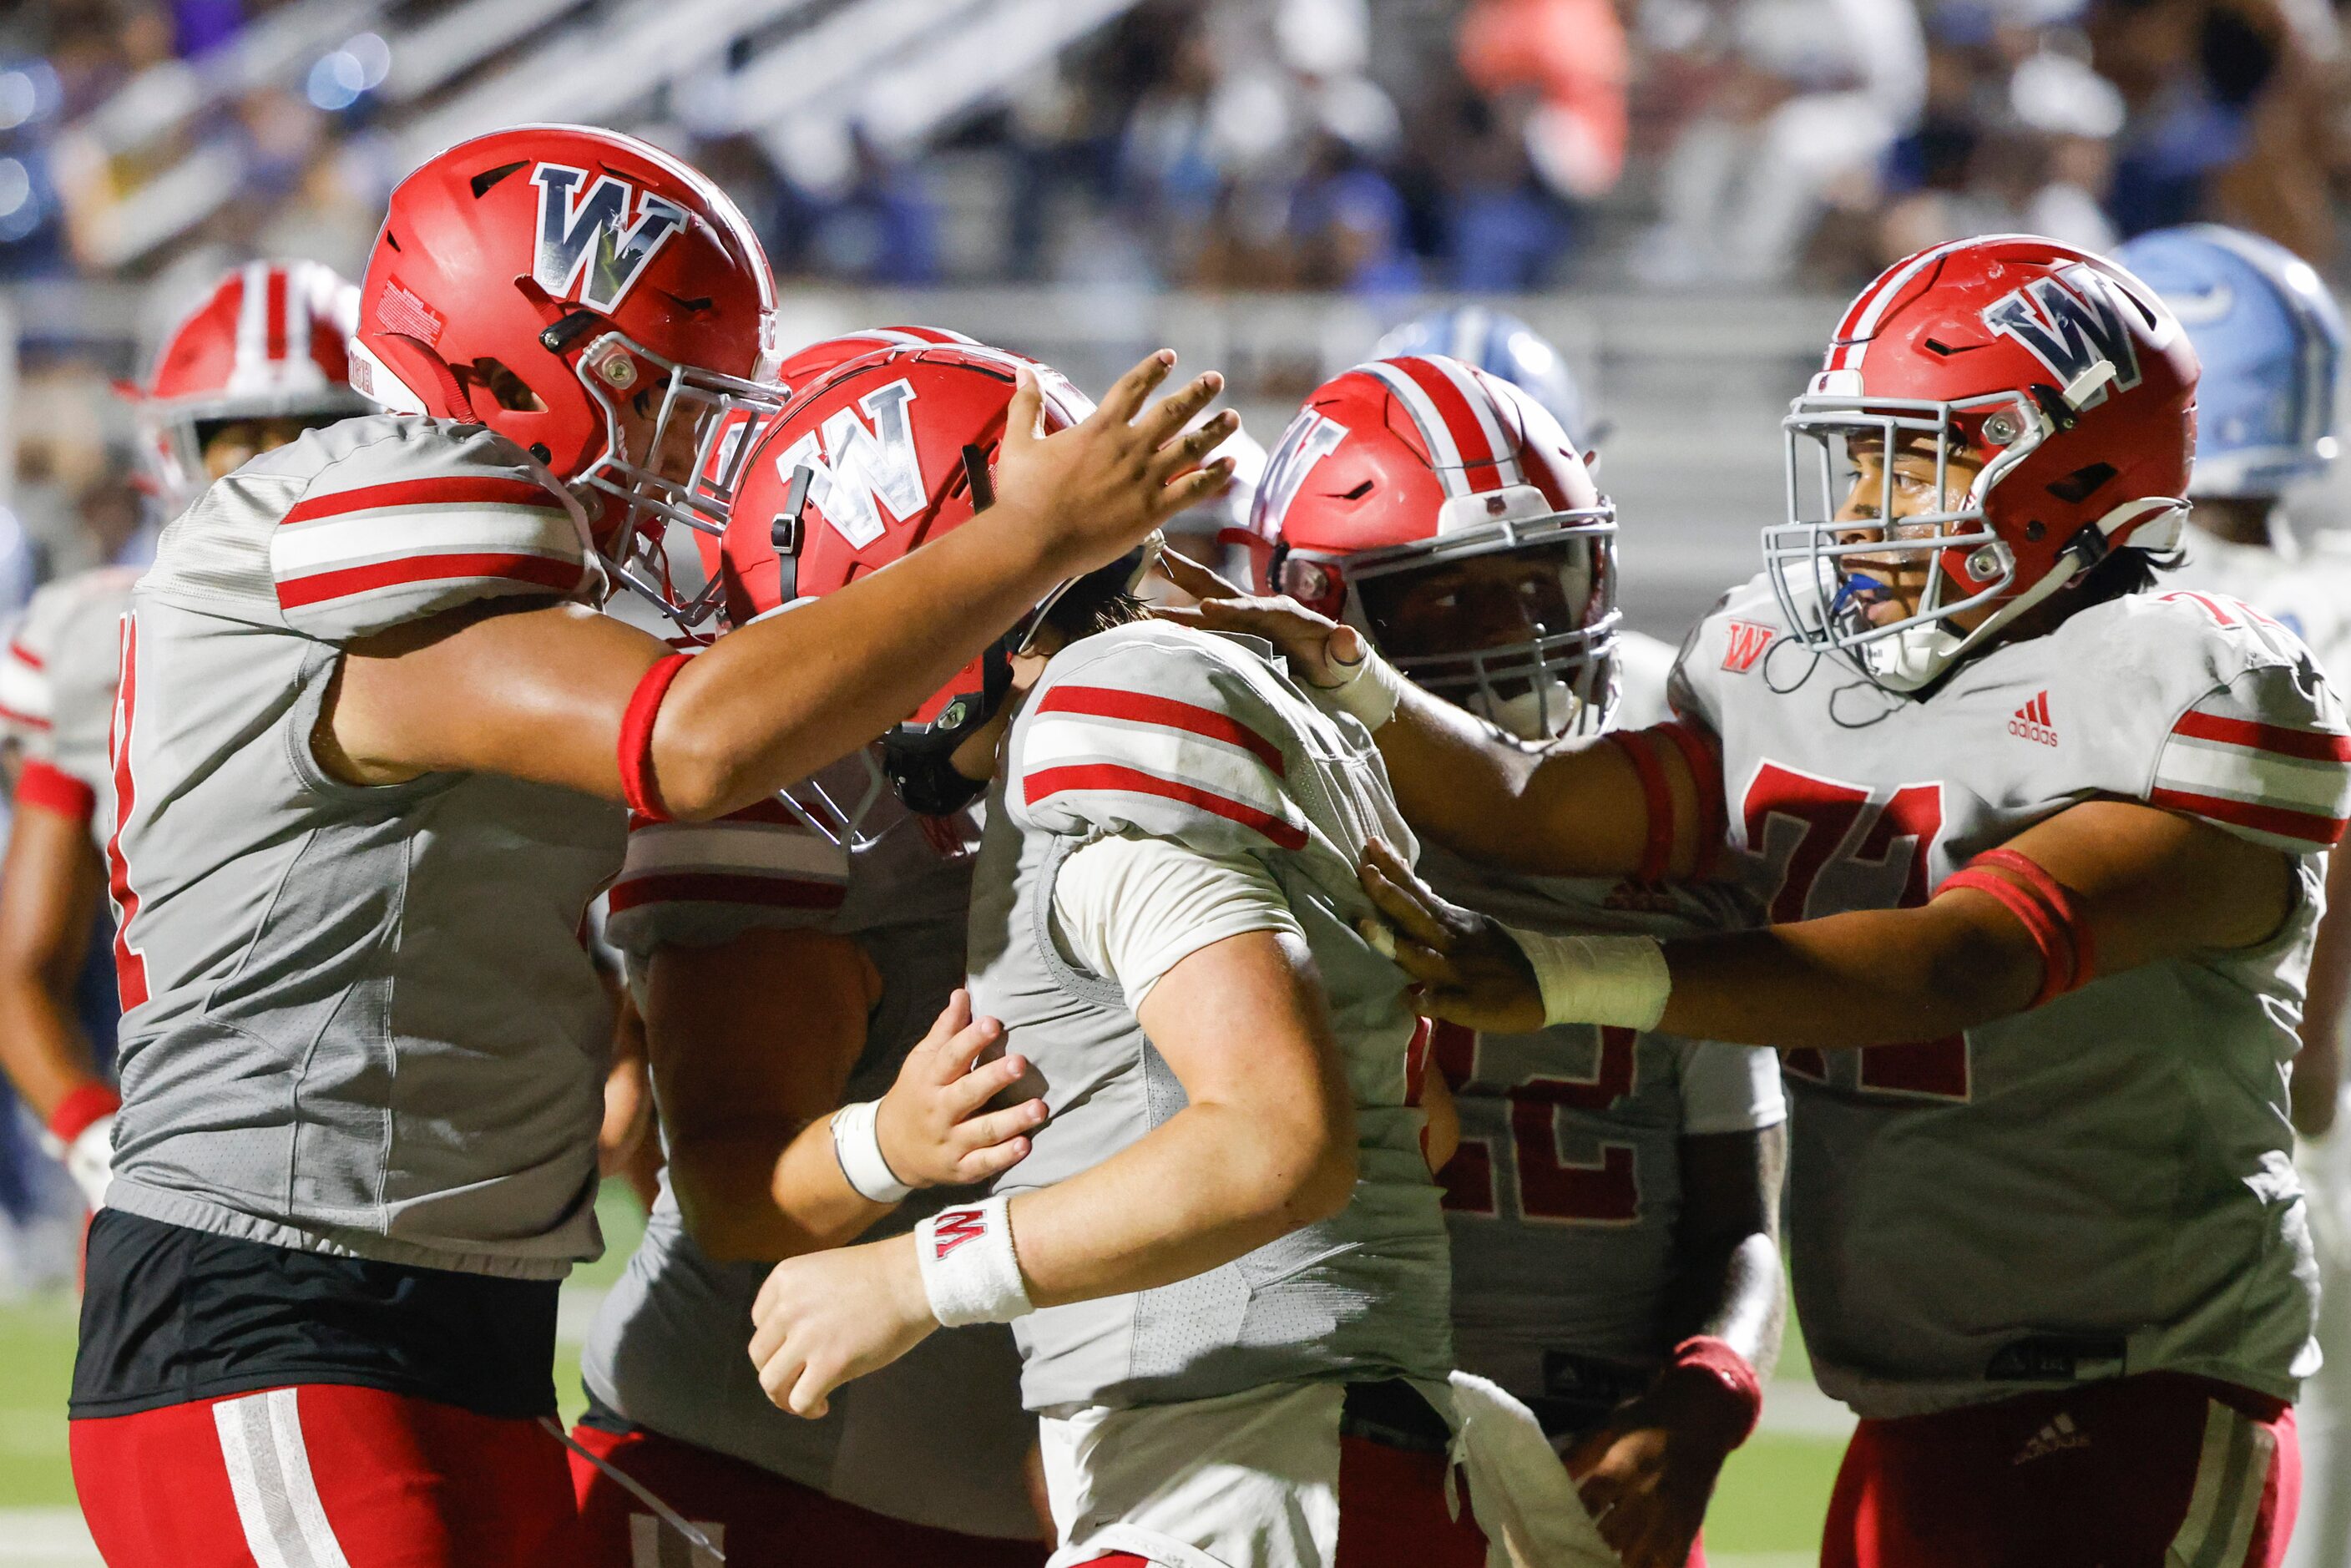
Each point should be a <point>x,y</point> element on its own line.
<point>752,1515</point>
<point>2104,1474</point>
<point>404,1483</point>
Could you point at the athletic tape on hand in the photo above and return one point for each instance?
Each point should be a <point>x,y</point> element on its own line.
<point>1370,688</point>
<point>1618,982</point>
<point>857,1144</point>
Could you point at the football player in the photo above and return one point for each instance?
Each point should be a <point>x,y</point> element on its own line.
<point>261,359</point>
<point>370,751</point>
<point>855,919</point>
<point>1500,344</point>
<point>2270,339</point>
<point>1614,1206</point>
<point>1223,1257</point>
<point>2047,840</point>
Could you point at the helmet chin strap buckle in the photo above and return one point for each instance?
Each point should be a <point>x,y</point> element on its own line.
<point>784,533</point>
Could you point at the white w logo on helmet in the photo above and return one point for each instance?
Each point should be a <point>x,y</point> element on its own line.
<point>590,249</point>
<point>2070,322</point>
<point>1310,439</point>
<point>857,471</point>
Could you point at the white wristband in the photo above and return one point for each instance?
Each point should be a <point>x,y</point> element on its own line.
<point>969,1270</point>
<point>1618,982</point>
<point>857,1144</point>
<point>1370,688</point>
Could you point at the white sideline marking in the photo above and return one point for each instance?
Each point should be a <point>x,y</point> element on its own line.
<point>45,1538</point>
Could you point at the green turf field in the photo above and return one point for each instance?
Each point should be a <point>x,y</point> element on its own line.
<point>1771,1500</point>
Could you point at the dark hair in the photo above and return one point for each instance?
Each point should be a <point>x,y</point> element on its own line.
<point>1095,602</point>
<point>2126,570</point>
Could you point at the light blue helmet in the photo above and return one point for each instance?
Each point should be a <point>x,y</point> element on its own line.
<point>1501,345</point>
<point>2271,341</point>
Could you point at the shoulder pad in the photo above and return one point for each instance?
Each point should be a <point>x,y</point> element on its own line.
<point>395,518</point>
<point>2228,718</point>
<point>1156,729</point>
<point>697,884</point>
<point>1730,640</point>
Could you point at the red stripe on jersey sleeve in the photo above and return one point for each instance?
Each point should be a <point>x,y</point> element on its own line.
<point>545,572</point>
<point>1047,782</point>
<point>1109,702</point>
<point>2312,828</point>
<point>724,887</point>
<point>453,490</point>
<point>26,656</point>
<point>27,720</point>
<point>2311,744</point>
<point>45,787</point>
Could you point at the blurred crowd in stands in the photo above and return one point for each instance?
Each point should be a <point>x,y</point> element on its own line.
<point>1357,145</point>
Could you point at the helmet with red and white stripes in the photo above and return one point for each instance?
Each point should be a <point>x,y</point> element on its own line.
<point>270,341</point>
<point>1444,513</point>
<point>2064,381</point>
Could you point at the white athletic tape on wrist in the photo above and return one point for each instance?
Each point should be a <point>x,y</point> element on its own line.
<point>969,1270</point>
<point>1370,688</point>
<point>1617,982</point>
<point>857,1144</point>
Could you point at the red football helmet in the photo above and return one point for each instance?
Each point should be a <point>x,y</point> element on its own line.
<point>804,369</point>
<point>563,284</point>
<point>2063,376</point>
<point>270,341</point>
<point>891,448</point>
<point>1444,514</point>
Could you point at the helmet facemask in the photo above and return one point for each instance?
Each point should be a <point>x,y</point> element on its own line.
<point>1819,560</point>
<point>1514,619</point>
<point>643,501</point>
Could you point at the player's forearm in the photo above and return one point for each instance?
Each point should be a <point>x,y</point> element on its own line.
<point>1570,811</point>
<point>1740,1297</point>
<point>49,886</point>
<point>42,1047</point>
<point>745,1199</point>
<point>1208,1185</point>
<point>775,701</point>
<point>1873,978</point>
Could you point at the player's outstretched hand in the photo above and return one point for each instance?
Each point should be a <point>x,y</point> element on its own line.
<point>933,1124</point>
<point>824,1318</point>
<point>1313,643</point>
<point>1101,486</point>
<point>1645,1477</point>
<point>1465,967</point>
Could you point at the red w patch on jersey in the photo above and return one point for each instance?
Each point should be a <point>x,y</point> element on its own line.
<point>1746,643</point>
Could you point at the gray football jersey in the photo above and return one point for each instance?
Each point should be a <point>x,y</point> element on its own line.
<point>58,682</point>
<point>2097,1186</point>
<point>356,1020</point>
<point>938,1437</point>
<point>1562,1199</point>
<point>1157,730</point>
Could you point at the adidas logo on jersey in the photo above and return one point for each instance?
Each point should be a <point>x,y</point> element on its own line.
<point>2032,722</point>
<point>2056,1438</point>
